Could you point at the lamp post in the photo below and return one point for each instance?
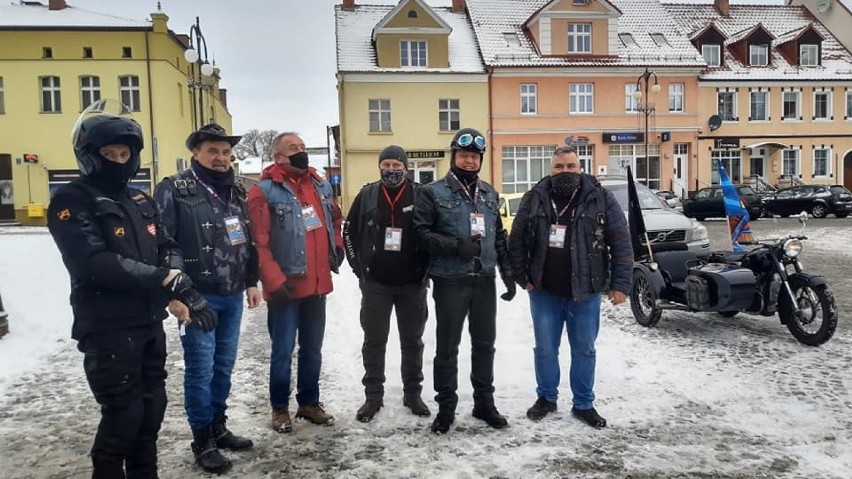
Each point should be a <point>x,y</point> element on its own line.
<point>200,69</point>
<point>643,83</point>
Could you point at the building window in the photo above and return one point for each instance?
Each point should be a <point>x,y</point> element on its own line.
<point>791,105</point>
<point>581,98</point>
<point>759,106</point>
<point>732,162</point>
<point>87,52</point>
<point>529,99</point>
<point>51,97</point>
<point>808,55</point>
<point>646,170</point>
<point>790,163</point>
<point>524,166</point>
<point>579,38</point>
<point>631,104</point>
<point>822,105</point>
<point>712,55</point>
<point>849,104</point>
<point>46,52</point>
<point>412,54</point>
<point>380,115</point>
<point>448,115</point>
<point>627,39</point>
<point>660,40</point>
<point>126,52</point>
<point>129,89</point>
<point>584,153</point>
<point>676,97</point>
<point>2,97</point>
<point>728,105</point>
<point>758,55</point>
<point>90,90</point>
<point>822,162</point>
<point>412,14</point>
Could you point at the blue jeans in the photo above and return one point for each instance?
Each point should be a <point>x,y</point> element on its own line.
<point>549,314</point>
<point>209,359</point>
<point>306,317</point>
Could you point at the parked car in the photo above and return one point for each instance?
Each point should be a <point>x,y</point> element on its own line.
<point>670,199</point>
<point>709,203</point>
<point>817,200</point>
<point>664,224</point>
<point>509,204</point>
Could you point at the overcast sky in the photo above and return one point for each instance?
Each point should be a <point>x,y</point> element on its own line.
<point>277,56</point>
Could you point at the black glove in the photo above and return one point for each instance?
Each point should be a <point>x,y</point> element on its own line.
<point>469,248</point>
<point>180,288</point>
<point>280,295</point>
<point>511,289</point>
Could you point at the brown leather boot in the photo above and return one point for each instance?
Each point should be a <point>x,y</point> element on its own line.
<point>281,420</point>
<point>415,403</point>
<point>316,414</point>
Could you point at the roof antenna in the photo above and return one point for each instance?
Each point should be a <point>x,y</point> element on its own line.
<point>159,7</point>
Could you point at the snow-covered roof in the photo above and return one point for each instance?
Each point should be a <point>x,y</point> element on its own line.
<point>640,18</point>
<point>356,53</point>
<point>39,16</point>
<point>779,21</point>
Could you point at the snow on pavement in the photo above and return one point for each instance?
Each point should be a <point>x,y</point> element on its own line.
<point>696,396</point>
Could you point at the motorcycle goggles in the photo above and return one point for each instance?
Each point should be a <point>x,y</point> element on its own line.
<point>467,139</point>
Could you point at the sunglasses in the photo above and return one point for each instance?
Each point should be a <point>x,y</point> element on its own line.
<point>465,140</point>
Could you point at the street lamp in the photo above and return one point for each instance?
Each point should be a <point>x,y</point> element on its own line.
<point>200,69</point>
<point>647,108</point>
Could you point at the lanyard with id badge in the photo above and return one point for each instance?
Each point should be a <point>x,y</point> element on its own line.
<point>556,238</point>
<point>310,218</point>
<point>393,235</point>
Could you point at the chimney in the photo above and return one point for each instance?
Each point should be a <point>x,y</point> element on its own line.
<point>723,6</point>
<point>57,5</point>
<point>459,6</point>
<point>223,97</point>
<point>349,5</point>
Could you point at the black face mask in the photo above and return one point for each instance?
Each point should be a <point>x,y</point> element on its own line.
<point>392,178</point>
<point>299,160</point>
<point>465,176</point>
<point>113,176</point>
<point>564,184</point>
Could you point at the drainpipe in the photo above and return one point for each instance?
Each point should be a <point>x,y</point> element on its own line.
<point>491,126</point>
<point>154,153</point>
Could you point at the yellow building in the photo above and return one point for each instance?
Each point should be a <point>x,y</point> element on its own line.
<point>55,60</point>
<point>409,75</point>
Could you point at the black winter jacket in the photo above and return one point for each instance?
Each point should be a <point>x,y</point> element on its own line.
<point>117,254</point>
<point>601,252</point>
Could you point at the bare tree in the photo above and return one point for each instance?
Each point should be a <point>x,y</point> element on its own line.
<point>256,144</point>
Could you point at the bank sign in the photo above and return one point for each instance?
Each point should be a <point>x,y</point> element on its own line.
<point>630,137</point>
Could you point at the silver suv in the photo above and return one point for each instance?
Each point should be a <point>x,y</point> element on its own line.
<point>664,224</point>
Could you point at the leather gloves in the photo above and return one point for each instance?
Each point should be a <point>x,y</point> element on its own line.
<point>511,289</point>
<point>180,288</point>
<point>280,295</point>
<point>469,248</point>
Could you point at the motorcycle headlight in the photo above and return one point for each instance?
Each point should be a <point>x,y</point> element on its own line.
<point>699,231</point>
<point>792,248</point>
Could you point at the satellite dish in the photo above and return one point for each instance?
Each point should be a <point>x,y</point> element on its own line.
<point>714,122</point>
<point>823,6</point>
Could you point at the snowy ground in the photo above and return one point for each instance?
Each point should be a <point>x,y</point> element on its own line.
<point>697,396</point>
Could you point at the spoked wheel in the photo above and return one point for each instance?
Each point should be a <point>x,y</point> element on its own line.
<point>819,210</point>
<point>816,319</point>
<point>643,299</point>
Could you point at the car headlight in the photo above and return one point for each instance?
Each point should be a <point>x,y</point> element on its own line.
<point>699,231</point>
<point>792,248</point>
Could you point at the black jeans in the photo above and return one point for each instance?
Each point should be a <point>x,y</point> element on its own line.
<point>377,301</point>
<point>126,372</point>
<point>474,297</point>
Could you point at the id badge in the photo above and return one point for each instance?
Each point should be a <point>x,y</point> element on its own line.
<point>477,224</point>
<point>310,218</point>
<point>236,235</point>
<point>393,239</point>
<point>557,236</point>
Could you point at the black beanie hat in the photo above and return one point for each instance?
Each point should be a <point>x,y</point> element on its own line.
<point>394,152</point>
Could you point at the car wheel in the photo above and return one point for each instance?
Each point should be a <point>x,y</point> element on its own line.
<point>818,210</point>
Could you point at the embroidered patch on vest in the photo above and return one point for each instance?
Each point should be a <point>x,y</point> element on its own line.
<point>119,231</point>
<point>152,229</point>
<point>64,215</point>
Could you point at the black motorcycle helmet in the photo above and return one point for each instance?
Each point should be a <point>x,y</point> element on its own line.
<point>105,124</point>
<point>468,139</point>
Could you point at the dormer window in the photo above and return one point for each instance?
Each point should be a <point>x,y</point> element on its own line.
<point>412,54</point>
<point>712,54</point>
<point>412,14</point>
<point>627,39</point>
<point>808,55</point>
<point>579,38</point>
<point>758,55</point>
<point>660,40</point>
<point>512,39</point>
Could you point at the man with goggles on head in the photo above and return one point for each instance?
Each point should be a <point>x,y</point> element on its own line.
<point>457,220</point>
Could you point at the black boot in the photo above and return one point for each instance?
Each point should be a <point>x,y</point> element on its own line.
<point>414,402</point>
<point>368,410</point>
<point>488,413</point>
<point>443,421</point>
<point>206,454</point>
<point>225,439</point>
<point>589,416</point>
<point>541,408</point>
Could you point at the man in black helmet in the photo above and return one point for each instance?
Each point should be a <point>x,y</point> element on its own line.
<point>206,212</point>
<point>123,269</point>
<point>382,249</point>
<point>458,222</point>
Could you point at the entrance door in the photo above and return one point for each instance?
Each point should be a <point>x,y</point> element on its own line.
<point>7,198</point>
<point>756,167</point>
<point>847,171</point>
<point>680,177</point>
<point>424,172</point>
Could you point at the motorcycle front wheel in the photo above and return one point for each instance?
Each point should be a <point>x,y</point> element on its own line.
<point>643,299</point>
<point>816,320</point>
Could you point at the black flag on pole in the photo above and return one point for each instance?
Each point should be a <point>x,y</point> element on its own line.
<point>634,218</point>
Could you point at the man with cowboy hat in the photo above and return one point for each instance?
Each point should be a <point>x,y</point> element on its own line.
<point>205,211</point>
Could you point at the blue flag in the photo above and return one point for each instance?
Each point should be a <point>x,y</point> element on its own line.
<point>736,212</point>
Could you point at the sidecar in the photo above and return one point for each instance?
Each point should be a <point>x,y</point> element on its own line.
<point>683,280</point>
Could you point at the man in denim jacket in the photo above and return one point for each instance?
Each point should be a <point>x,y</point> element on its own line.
<point>457,221</point>
<point>296,225</point>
